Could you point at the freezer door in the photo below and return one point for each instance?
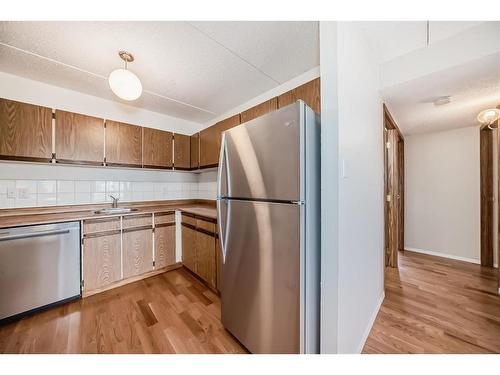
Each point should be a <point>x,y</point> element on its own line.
<point>263,158</point>
<point>261,294</point>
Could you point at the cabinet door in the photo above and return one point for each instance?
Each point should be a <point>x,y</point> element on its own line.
<point>164,245</point>
<point>123,144</point>
<point>259,110</point>
<point>25,131</point>
<point>308,92</point>
<point>210,140</point>
<point>205,258</point>
<point>189,248</point>
<point>195,151</point>
<point>157,152</point>
<point>218,262</point>
<point>182,151</point>
<point>79,138</point>
<point>101,260</point>
<point>137,251</point>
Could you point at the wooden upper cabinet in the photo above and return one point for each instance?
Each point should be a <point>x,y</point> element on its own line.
<point>157,148</point>
<point>308,92</point>
<point>195,150</point>
<point>25,131</point>
<point>259,110</point>
<point>210,140</point>
<point>182,151</point>
<point>79,138</point>
<point>123,144</point>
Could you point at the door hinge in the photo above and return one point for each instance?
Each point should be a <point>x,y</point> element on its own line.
<point>82,240</point>
<point>82,283</point>
<point>388,198</point>
<point>154,263</point>
<point>53,115</point>
<point>387,145</point>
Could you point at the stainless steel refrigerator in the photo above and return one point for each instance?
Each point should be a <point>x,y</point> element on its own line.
<point>268,204</point>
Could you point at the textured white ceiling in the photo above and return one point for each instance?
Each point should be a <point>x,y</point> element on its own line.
<point>473,86</point>
<point>194,71</point>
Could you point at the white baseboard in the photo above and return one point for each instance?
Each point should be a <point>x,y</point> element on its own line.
<point>370,324</point>
<point>442,255</point>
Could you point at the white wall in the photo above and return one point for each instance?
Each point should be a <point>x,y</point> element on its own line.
<point>361,214</point>
<point>442,193</point>
<point>358,171</point>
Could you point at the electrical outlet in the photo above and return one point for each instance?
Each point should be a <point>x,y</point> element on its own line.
<point>11,193</point>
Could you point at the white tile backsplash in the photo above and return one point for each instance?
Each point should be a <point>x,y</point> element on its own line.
<point>32,193</point>
<point>46,187</point>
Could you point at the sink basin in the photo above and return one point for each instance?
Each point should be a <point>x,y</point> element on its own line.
<point>119,210</point>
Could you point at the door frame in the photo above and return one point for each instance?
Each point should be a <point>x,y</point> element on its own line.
<point>486,139</point>
<point>390,257</point>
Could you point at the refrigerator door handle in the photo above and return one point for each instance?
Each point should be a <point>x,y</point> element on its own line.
<point>222,224</point>
<point>223,171</point>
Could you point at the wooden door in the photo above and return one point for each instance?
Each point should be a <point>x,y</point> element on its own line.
<point>259,110</point>
<point>210,141</point>
<point>123,144</point>
<point>182,152</point>
<point>137,251</point>
<point>308,92</point>
<point>189,247</point>
<point>101,259</point>
<point>195,151</point>
<point>392,199</point>
<point>25,131</point>
<point>157,148</point>
<point>79,138</point>
<point>164,245</point>
<point>401,195</point>
<point>205,257</point>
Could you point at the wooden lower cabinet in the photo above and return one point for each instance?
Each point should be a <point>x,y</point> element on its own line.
<point>101,260</point>
<point>205,258</point>
<point>189,248</point>
<point>164,245</point>
<point>137,251</point>
<point>199,249</point>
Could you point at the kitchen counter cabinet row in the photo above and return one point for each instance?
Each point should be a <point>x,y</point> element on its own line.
<point>122,249</point>
<point>117,249</point>
<point>26,134</point>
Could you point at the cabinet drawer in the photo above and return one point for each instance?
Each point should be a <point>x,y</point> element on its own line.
<point>189,219</point>
<point>137,221</point>
<point>101,225</point>
<point>205,225</point>
<point>164,217</point>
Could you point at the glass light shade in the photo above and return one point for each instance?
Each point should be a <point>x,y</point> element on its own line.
<point>488,116</point>
<point>125,84</point>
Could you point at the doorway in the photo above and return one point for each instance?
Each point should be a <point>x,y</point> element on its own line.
<point>393,189</point>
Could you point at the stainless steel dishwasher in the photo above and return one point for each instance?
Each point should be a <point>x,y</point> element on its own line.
<point>39,267</point>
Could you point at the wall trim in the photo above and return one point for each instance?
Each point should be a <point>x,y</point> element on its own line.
<point>442,255</point>
<point>370,323</point>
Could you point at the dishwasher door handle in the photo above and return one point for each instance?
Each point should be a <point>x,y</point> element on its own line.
<point>35,234</point>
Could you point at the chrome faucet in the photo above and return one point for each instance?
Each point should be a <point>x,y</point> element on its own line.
<point>115,201</point>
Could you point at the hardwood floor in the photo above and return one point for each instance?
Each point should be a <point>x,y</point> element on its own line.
<point>437,305</point>
<point>168,313</point>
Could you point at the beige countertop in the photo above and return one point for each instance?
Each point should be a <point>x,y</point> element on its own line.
<point>32,216</point>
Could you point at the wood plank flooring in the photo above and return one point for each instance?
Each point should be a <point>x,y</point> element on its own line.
<point>437,305</point>
<point>168,313</point>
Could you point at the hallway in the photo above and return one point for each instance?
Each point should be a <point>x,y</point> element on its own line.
<point>437,305</point>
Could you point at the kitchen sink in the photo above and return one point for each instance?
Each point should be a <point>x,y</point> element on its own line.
<point>118,210</point>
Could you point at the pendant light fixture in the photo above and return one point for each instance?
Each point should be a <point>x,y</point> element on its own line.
<point>488,116</point>
<point>125,84</point>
